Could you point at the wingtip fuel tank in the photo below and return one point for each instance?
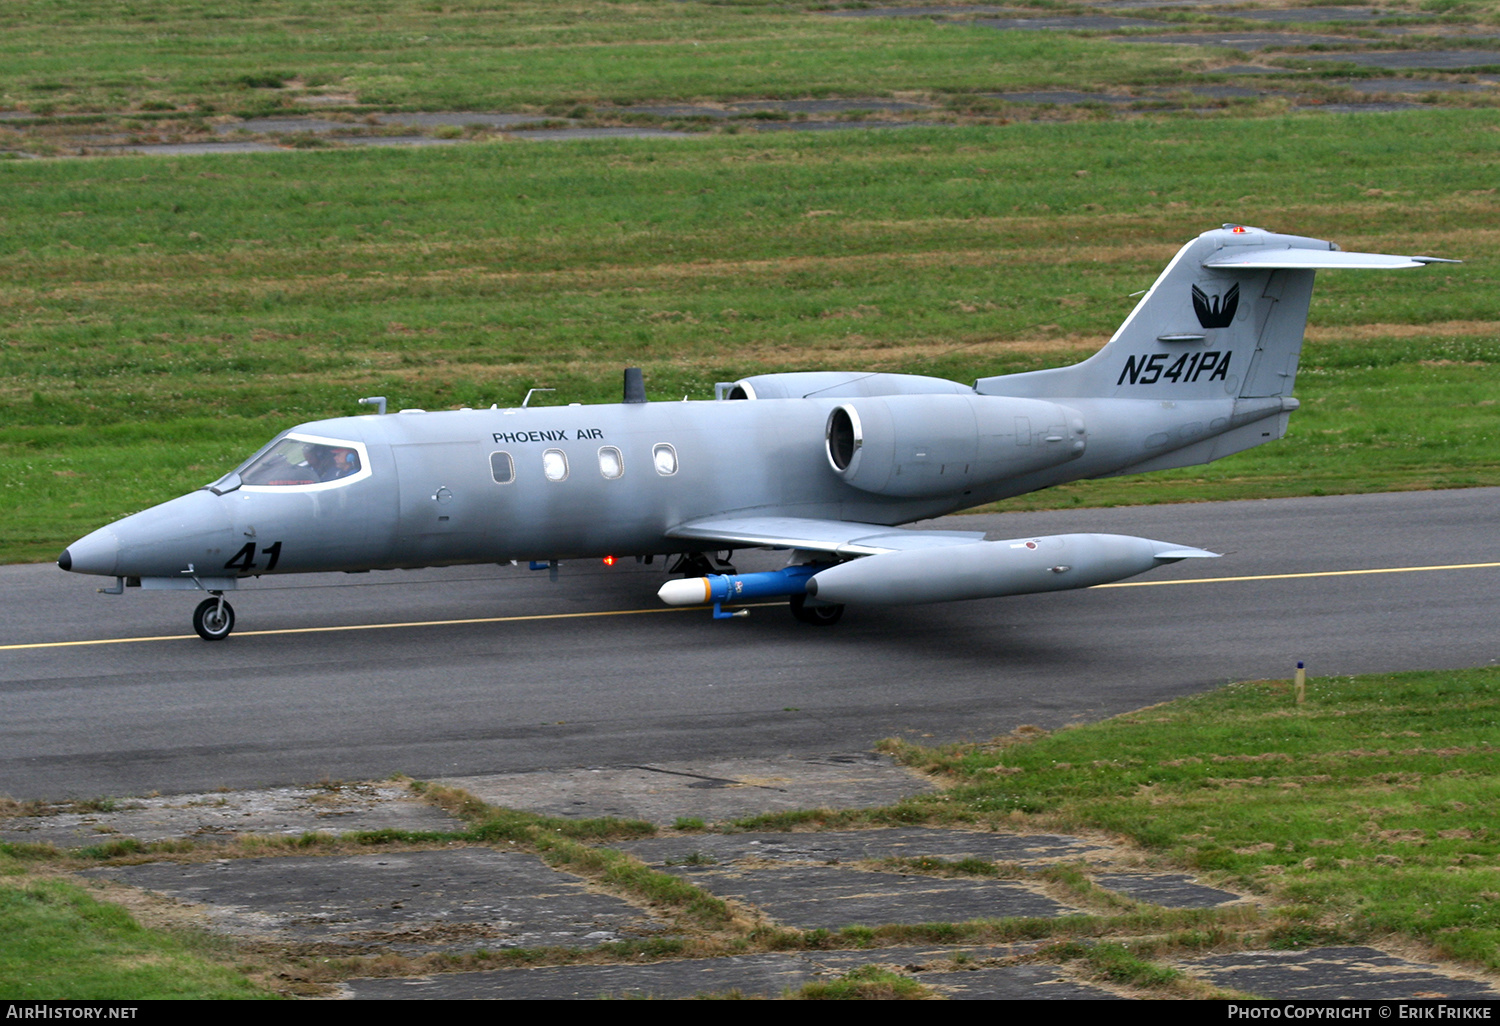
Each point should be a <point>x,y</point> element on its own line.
<point>985,569</point>
<point>990,569</point>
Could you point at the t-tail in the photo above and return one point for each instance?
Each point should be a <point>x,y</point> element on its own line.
<point>1224,321</point>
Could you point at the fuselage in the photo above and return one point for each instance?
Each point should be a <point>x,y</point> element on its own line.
<point>471,486</point>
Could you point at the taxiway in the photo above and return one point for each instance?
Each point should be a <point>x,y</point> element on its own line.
<point>474,670</point>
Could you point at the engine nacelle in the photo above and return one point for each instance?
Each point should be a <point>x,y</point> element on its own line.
<point>924,445</point>
<point>839,385</point>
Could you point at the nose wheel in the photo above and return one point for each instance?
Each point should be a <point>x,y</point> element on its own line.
<point>213,619</point>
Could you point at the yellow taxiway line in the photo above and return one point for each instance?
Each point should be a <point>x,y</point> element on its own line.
<point>688,609</point>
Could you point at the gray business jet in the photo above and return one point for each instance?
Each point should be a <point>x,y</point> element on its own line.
<point>822,464</point>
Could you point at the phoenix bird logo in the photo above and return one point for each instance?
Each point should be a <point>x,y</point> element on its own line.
<point>1213,314</point>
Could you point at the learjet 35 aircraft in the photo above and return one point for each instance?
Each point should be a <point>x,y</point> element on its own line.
<point>823,464</point>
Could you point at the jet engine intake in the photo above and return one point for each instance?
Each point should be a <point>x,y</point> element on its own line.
<point>912,446</point>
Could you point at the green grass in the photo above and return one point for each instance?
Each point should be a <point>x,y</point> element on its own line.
<point>252,55</point>
<point>161,318</point>
<point>1361,814</point>
<point>866,983</point>
<point>61,943</point>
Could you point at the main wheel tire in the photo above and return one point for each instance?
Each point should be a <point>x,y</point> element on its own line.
<point>818,616</point>
<point>212,620</point>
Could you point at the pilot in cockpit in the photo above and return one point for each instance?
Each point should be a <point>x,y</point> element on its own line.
<point>332,462</point>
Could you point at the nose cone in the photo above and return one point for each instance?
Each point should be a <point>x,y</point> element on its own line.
<point>163,541</point>
<point>95,553</point>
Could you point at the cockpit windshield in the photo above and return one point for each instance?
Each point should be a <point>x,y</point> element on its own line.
<point>303,461</point>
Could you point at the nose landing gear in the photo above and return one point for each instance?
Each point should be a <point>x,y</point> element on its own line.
<point>214,618</point>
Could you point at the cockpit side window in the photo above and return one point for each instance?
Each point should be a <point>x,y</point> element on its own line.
<point>297,461</point>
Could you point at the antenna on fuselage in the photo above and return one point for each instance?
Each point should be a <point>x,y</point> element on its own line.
<point>635,385</point>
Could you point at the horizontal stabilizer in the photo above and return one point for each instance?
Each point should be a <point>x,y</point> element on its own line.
<point>1262,259</point>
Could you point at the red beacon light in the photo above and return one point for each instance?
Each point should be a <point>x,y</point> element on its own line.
<point>609,560</point>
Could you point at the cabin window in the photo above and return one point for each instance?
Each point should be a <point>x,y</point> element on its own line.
<point>611,463</point>
<point>665,458</point>
<point>555,465</point>
<point>295,461</point>
<point>502,467</point>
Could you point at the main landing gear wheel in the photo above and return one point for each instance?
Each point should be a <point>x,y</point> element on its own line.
<point>818,616</point>
<point>213,619</point>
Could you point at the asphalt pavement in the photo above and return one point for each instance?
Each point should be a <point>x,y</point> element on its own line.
<point>479,670</point>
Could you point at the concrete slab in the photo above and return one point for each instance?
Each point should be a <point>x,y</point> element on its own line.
<point>1485,84</point>
<point>554,134</point>
<point>711,790</point>
<point>827,106</point>
<point>463,119</point>
<point>961,973</point>
<point>1447,60</point>
<point>1248,69</point>
<point>287,811</point>
<point>391,140</point>
<point>1012,983</point>
<point>1358,108</point>
<point>1337,974</point>
<point>751,975</point>
<point>1080,23</point>
<point>749,853</point>
<point>1136,4</point>
<point>1246,41</point>
<point>936,10</point>
<point>1170,890</point>
<point>192,149</point>
<point>839,846</point>
<point>831,126</point>
<point>828,898</point>
<point>415,901</point>
<point>1311,15</point>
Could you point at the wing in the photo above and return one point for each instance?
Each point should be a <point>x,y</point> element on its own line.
<point>838,537</point>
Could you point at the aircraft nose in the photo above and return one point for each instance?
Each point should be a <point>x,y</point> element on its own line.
<point>162,541</point>
<point>96,553</point>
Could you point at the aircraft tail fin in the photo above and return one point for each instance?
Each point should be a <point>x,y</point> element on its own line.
<point>1225,319</point>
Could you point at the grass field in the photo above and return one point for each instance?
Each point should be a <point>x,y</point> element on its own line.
<point>251,56</point>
